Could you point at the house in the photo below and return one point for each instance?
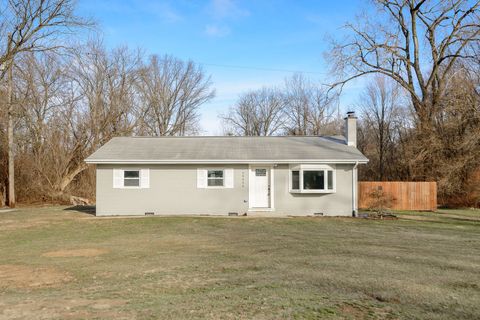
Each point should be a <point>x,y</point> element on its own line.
<point>288,175</point>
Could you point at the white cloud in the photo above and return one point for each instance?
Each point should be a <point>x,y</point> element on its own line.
<point>223,12</point>
<point>213,30</point>
<point>164,11</point>
<point>221,9</point>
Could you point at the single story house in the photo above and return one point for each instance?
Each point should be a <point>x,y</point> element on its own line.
<point>288,175</point>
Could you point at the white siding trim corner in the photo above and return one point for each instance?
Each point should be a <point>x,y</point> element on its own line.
<point>145,178</point>
<point>229,178</point>
<point>201,178</point>
<point>117,178</point>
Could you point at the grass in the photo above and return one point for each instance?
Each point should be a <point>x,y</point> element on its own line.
<point>421,266</point>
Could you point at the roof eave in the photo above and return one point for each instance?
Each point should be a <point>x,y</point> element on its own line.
<point>207,161</point>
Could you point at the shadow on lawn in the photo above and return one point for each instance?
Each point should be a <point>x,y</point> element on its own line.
<point>83,209</point>
<point>442,220</point>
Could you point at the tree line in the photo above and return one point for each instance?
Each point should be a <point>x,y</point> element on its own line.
<point>419,113</point>
<point>429,50</point>
<point>68,106</point>
<point>299,107</point>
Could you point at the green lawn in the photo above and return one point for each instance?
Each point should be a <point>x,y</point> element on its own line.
<point>64,264</point>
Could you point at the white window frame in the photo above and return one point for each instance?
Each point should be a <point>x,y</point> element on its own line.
<point>228,177</point>
<point>313,167</point>
<point>139,179</point>
<point>144,178</point>
<point>223,178</point>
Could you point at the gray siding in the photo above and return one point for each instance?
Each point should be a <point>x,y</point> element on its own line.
<point>331,204</point>
<point>173,190</point>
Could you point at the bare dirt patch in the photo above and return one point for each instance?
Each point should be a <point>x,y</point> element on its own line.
<point>64,309</point>
<point>92,252</point>
<point>354,311</point>
<point>20,276</point>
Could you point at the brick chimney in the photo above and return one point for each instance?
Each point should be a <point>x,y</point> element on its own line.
<point>351,129</point>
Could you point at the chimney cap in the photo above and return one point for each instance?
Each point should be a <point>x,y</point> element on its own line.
<point>351,114</point>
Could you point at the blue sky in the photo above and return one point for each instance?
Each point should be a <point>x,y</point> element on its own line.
<point>253,35</point>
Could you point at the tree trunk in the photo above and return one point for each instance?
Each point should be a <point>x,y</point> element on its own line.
<point>68,178</point>
<point>11,165</point>
<point>3,198</point>
<point>58,193</point>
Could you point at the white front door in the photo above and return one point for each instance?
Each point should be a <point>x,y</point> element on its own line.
<point>260,193</point>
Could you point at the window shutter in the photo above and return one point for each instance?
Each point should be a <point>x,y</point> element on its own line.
<point>201,178</point>
<point>117,178</point>
<point>145,178</point>
<point>229,178</point>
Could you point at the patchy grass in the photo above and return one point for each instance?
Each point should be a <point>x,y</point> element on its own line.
<point>63,264</point>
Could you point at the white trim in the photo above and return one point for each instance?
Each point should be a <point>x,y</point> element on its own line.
<point>201,178</point>
<point>226,184</point>
<point>117,178</point>
<point>261,209</point>
<point>139,178</point>
<point>272,188</point>
<point>284,161</point>
<point>271,199</point>
<point>143,179</point>
<point>215,178</point>
<point>250,186</point>
<point>354,190</point>
<point>229,180</point>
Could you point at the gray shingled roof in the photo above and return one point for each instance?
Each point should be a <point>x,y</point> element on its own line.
<point>225,149</point>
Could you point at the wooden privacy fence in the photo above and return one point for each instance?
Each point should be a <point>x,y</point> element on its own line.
<point>403,195</point>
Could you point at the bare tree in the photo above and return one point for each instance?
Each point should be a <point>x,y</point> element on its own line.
<point>257,113</point>
<point>300,107</point>
<point>27,26</point>
<point>105,83</point>
<point>422,45</point>
<point>42,88</point>
<point>171,91</point>
<point>34,25</point>
<point>414,42</point>
<point>455,145</point>
<point>47,97</point>
<point>311,107</point>
<point>69,107</point>
<point>382,109</point>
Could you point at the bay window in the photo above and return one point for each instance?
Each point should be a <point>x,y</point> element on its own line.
<point>295,180</point>
<point>312,179</point>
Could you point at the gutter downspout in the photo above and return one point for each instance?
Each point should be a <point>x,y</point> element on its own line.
<point>354,189</point>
